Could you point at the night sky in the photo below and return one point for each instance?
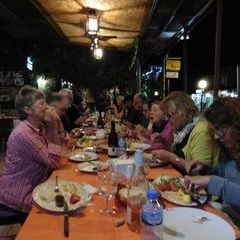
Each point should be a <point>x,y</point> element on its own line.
<point>201,46</point>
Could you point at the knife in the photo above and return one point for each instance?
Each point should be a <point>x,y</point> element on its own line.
<point>66,220</point>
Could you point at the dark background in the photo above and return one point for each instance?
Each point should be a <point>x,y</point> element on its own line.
<point>201,50</point>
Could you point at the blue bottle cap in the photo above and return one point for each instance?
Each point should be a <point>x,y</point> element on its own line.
<point>152,194</point>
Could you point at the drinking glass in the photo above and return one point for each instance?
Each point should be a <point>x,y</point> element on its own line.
<point>108,188</point>
<point>146,166</point>
<point>122,153</point>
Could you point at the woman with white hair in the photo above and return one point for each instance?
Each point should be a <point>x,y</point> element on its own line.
<point>118,107</point>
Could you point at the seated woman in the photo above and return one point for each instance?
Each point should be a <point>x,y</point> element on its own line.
<point>224,179</point>
<point>160,135</point>
<point>192,139</point>
<point>33,148</point>
<point>118,107</point>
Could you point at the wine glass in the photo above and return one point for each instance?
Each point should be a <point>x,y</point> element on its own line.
<point>108,188</point>
<point>122,153</point>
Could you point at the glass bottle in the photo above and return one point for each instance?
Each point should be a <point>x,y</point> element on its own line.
<point>137,190</point>
<point>100,122</point>
<point>112,142</point>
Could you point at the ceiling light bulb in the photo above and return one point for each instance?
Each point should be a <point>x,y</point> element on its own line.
<point>98,53</point>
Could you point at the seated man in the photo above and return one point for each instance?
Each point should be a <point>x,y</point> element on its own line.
<point>33,148</point>
<point>56,100</point>
<point>73,114</point>
<point>137,116</point>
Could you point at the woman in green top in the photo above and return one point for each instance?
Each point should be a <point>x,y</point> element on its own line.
<point>193,138</point>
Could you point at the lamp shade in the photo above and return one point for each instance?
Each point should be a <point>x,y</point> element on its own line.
<point>92,25</point>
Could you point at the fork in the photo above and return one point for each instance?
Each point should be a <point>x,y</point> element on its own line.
<point>56,185</point>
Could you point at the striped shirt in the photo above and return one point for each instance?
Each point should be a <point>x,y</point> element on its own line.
<point>28,159</point>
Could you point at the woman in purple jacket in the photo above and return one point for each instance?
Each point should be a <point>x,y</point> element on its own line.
<point>159,133</point>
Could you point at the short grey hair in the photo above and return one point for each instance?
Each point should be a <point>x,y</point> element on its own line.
<point>142,96</point>
<point>26,97</point>
<point>66,91</point>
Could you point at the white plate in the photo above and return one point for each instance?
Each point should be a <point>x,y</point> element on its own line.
<point>87,143</point>
<point>156,163</point>
<point>91,167</point>
<point>134,145</point>
<point>44,195</point>
<point>168,197</point>
<point>185,224</point>
<point>83,156</point>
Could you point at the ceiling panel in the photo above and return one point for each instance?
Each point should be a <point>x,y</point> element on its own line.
<point>120,21</point>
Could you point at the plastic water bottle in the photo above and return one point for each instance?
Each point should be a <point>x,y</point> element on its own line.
<point>151,217</point>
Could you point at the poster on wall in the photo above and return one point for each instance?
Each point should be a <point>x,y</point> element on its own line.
<point>11,79</point>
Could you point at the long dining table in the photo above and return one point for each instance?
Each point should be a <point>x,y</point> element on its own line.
<point>89,224</point>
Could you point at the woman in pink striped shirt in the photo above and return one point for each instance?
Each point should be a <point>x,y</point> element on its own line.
<point>33,148</point>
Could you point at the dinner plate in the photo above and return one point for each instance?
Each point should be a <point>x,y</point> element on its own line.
<point>134,145</point>
<point>192,223</point>
<point>172,196</point>
<point>44,195</point>
<point>83,156</point>
<point>87,143</point>
<point>92,167</point>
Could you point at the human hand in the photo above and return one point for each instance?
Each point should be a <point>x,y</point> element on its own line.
<point>80,120</point>
<point>139,128</point>
<point>198,181</point>
<point>193,167</point>
<point>164,155</point>
<point>124,130</point>
<point>51,118</point>
<point>154,137</point>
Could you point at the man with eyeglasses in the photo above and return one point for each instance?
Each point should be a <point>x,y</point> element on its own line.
<point>33,147</point>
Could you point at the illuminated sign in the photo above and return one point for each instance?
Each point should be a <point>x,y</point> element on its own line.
<point>173,64</point>
<point>172,74</point>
